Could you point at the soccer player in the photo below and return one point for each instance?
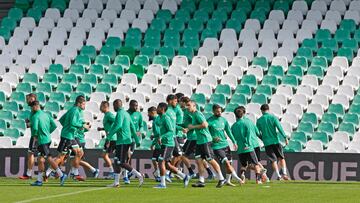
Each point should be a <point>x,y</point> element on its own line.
<point>137,119</point>
<point>155,146</point>
<point>167,142</point>
<point>42,125</point>
<point>268,126</point>
<point>203,145</point>
<point>110,142</point>
<point>124,129</point>
<point>190,144</point>
<point>32,144</point>
<point>218,126</point>
<point>243,131</point>
<point>71,123</point>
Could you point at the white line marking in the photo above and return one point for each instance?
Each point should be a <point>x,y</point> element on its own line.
<point>62,195</point>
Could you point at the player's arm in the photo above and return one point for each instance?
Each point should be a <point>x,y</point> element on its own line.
<point>246,137</point>
<point>141,125</point>
<point>179,120</point>
<point>134,134</point>
<point>169,128</point>
<point>116,125</point>
<point>35,126</point>
<point>156,133</point>
<point>258,126</point>
<point>63,119</point>
<point>229,133</point>
<point>279,128</point>
<point>52,125</point>
<point>200,119</point>
<point>76,121</point>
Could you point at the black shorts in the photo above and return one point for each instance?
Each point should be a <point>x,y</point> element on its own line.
<point>248,158</point>
<point>180,140</point>
<point>156,154</point>
<point>166,153</point>
<point>204,151</point>
<point>177,149</point>
<point>44,150</point>
<point>132,148</point>
<point>274,152</point>
<point>257,152</point>
<point>32,145</point>
<point>66,145</point>
<point>122,153</point>
<point>109,147</point>
<point>223,154</point>
<point>189,147</point>
<point>81,144</point>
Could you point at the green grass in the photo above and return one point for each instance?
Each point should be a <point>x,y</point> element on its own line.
<point>13,190</point>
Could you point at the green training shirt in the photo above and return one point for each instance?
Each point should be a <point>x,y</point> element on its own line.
<point>191,135</point>
<point>254,139</point>
<point>123,127</point>
<point>167,130</point>
<point>71,123</point>
<point>243,132</point>
<point>217,127</point>
<point>108,120</point>
<point>267,125</point>
<point>42,125</point>
<point>203,135</point>
<point>156,132</point>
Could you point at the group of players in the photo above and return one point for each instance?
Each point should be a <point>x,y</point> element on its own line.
<point>179,132</point>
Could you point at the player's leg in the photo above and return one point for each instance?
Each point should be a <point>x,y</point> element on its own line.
<point>85,164</point>
<point>30,160</point>
<point>272,157</point>
<point>127,174</point>
<point>208,154</point>
<point>41,168</point>
<point>262,168</point>
<point>155,162</point>
<point>125,164</point>
<point>162,169</point>
<point>278,150</point>
<point>252,160</point>
<point>108,148</point>
<point>225,156</point>
<point>201,168</point>
<point>167,158</point>
<point>188,149</point>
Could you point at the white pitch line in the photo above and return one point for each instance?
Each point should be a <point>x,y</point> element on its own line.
<point>61,195</point>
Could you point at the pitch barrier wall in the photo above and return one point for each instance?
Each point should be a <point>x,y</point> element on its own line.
<point>301,166</point>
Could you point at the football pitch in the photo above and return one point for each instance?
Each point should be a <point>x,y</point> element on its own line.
<point>95,190</point>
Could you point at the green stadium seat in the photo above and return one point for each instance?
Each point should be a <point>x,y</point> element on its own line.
<point>153,43</point>
<point>117,70</point>
<point>56,69</point>
<point>169,52</point>
<point>184,12</point>
<point>8,23</point>
<point>327,53</point>
<point>310,118</point>
<point>53,108</point>
<point>331,44</point>
<point>57,97</point>
<point>13,133</point>
<point>16,14</point>
<point>195,25</point>
<point>208,33</point>
<point>234,24</point>
<point>134,33</point>
<point>305,52</point>
<point>90,79</point>
<point>103,60</point>
<point>35,13</point>
<point>348,24</point>
<point>108,51</point>
<point>249,80</point>
<point>201,15</point>
<point>171,34</point>
<point>18,97</point>
<point>5,33</point>
<point>306,128</point>
<point>97,70</point>
<point>114,42</point>
<point>321,136</point>
<point>208,108</point>
<point>238,99</point>
<point>138,70</point>
<point>356,99</point>
<point>338,109</point>
<point>65,88</point>
<point>219,99</point>
<point>330,118</point>
<point>22,115</point>
<point>132,42</point>
<point>351,118</point>
<point>346,52</point>
<point>300,61</point>
<point>74,95</point>
<point>213,25</point>
<point>299,136</point>
<point>83,60</point>
<point>259,99</point>
<point>122,60</point>
<point>177,24</point>
<point>276,71</point>
<point>351,44</point>
<point>310,44</point>
<point>70,78</point>
<point>44,88</point>
<point>127,51</point>
<point>104,87</point>
<point>110,79</point>
<point>341,35</point>
<point>31,78</point>
<point>61,5</point>
<point>316,71</point>
<point>164,14</point>
<point>186,51</point>
<point>348,128</point>
<point>290,80</point>
<point>161,60</point>
<point>296,71</point>
<point>199,98</point>
<point>230,107</point>
<point>223,89</point>
<point>264,89</point>
<point>158,24</point>
<point>24,87</point>
<point>11,106</point>
<point>148,51</point>
<point>355,108</point>
<point>68,105</point>
<point>6,115</point>
<point>322,34</point>
<point>84,88</point>
<point>78,70</point>
<point>319,61</point>
<point>327,128</point>
<point>294,146</point>
<point>271,81</point>
<point>41,97</point>
<point>244,90</point>
<point>260,61</point>
<point>88,50</point>
<point>18,124</point>
<point>142,60</point>
<point>2,98</point>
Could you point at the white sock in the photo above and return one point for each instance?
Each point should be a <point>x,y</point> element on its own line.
<point>126,173</point>
<point>72,170</point>
<point>228,178</point>
<point>76,171</point>
<point>201,179</point>
<point>162,180</point>
<point>40,176</point>
<point>234,174</point>
<point>92,169</point>
<point>278,173</point>
<point>116,178</point>
<point>48,171</point>
<point>284,170</point>
<point>29,172</point>
<point>220,175</point>
<point>157,172</point>
<point>136,173</point>
<point>111,169</point>
<point>59,172</point>
<point>181,174</point>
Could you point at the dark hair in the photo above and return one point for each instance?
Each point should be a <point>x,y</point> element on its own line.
<point>185,99</point>
<point>238,110</point>
<point>179,95</point>
<point>170,97</point>
<point>32,95</point>
<point>153,108</point>
<point>163,105</point>
<point>216,106</point>
<point>132,102</point>
<point>264,107</point>
<point>117,102</point>
<point>34,103</point>
<point>80,99</point>
<point>105,103</point>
